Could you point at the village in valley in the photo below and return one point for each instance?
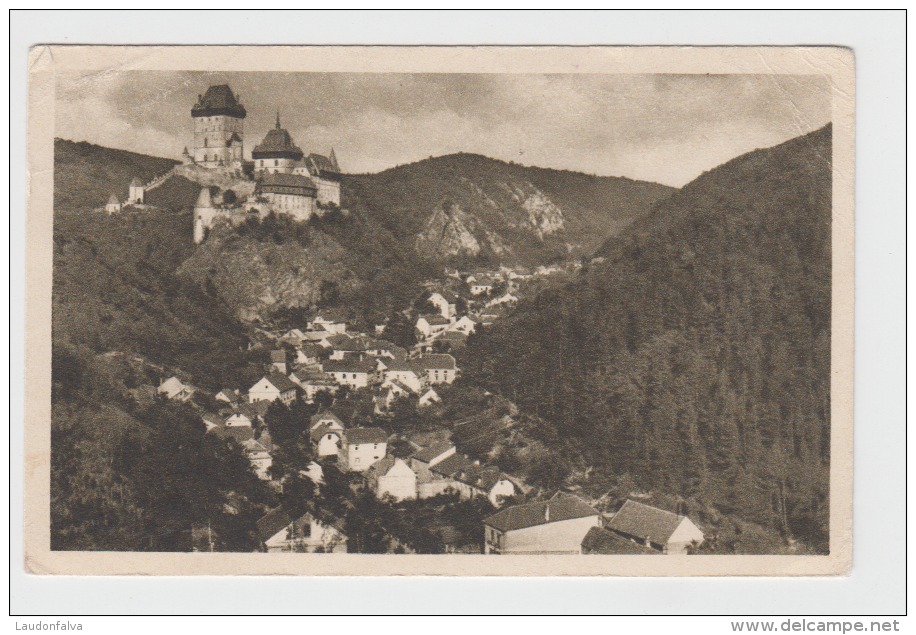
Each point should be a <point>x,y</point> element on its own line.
<point>368,442</point>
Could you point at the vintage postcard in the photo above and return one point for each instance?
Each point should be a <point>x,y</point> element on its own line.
<point>439,311</point>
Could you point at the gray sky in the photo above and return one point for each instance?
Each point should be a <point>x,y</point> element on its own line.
<point>663,128</point>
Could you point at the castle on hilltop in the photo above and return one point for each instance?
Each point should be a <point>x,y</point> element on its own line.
<point>279,178</point>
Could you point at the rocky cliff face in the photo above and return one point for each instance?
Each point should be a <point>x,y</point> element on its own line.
<point>256,278</point>
<point>470,207</point>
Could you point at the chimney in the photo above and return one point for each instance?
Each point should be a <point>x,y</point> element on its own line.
<point>547,513</point>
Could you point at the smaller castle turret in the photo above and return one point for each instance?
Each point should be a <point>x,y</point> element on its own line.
<point>204,213</point>
<point>113,206</point>
<point>137,191</point>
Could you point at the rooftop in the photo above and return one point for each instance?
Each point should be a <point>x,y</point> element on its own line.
<point>278,143</point>
<point>602,541</point>
<point>560,507</point>
<point>429,453</point>
<point>218,100</point>
<point>366,435</point>
<point>644,521</point>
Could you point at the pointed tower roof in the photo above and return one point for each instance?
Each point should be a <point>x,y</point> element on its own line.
<point>113,200</point>
<point>333,159</point>
<point>136,182</point>
<point>277,144</point>
<point>218,100</point>
<point>204,200</point>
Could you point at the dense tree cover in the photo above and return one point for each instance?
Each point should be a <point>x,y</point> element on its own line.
<point>403,198</point>
<point>86,174</point>
<point>696,357</point>
<point>115,289</point>
<point>126,477</point>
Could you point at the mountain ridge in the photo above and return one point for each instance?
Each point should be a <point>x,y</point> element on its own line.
<point>695,356</point>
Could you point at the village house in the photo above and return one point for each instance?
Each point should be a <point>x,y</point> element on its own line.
<point>355,373</point>
<point>484,481</point>
<point>429,325</point>
<point>237,419</point>
<point>326,432</point>
<point>445,302</point>
<point>422,460</point>
<point>239,434</point>
<point>211,420</point>
<point>603,541</point>
<point>278,361</point>
<point>273,387</point>
<point>464,324</point>
<point>173,388</point>
<point>555,526</point>
<point>392,477</point>
<point>441,476</point>
<point>259,457</point>
<point>361,447</point>
<point>407,372</point>
<point>655,528</point>
<point>229,395</point>
<point>279,532</point>
<point>293,337</point>
<point>314,385</point>
<point>344,346</point>
<point>308,354</point>
<point>427,398</point>
<point>439,368</point>
<point>480,286</point>
<point>326,439</point>
<point>328,323</point>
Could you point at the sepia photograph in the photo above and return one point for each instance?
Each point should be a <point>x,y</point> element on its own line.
<point>534,317</point>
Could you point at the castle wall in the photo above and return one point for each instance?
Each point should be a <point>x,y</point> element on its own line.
<point>299,207</point>
<point>328,191</point>
<point>273,166</point>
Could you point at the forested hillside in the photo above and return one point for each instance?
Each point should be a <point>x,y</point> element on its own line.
<point>85,175</point>
<point>470,208</point>
<point>696,358</point>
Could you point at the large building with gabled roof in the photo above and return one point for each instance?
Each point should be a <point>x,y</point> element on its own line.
<point>554,526</point>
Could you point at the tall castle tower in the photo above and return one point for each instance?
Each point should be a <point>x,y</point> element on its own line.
<point>218,128</point>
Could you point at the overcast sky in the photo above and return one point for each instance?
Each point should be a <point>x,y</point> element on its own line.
<point>663,128</point>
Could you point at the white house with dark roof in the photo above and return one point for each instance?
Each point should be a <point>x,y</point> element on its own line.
<point>422,460</point>
<point>655,528</point>
<point>273,387</point>
<point>278,361</point>
<point>445,302</point>
<point>554,526</point>
<point>405,371</point>
<point>429,325</point>
<point>173,388</point>
<point>392,477</point>
<point>427,398</point>
<point>361,447</point>
<point>355,373</point>
<point>279,532</point>
<point>440,368</point>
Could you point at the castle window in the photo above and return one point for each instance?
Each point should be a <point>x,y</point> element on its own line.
<point>276,163</point>
<point>205,142</point>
